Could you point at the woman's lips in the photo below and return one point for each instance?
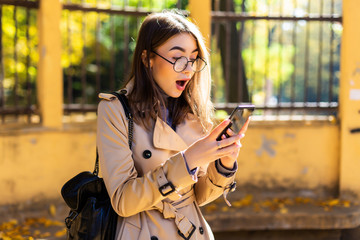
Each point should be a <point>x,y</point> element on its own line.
<point>181,84</point>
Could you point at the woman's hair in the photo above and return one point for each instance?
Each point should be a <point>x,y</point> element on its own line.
<point>147,99</point>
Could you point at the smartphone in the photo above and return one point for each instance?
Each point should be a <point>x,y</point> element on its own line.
<point>238,118</point>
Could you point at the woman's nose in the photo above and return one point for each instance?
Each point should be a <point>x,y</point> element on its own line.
<point>188,68</point>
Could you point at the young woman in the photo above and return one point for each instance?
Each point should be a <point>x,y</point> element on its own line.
<point>175,164</point>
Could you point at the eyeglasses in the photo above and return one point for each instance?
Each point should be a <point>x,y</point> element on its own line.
<point>181,63</point>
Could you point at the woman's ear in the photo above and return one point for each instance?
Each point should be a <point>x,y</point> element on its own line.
<point>145,60</point>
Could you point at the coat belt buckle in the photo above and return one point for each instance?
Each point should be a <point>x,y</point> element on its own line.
<point>166,189</point>
<point>193,228</point>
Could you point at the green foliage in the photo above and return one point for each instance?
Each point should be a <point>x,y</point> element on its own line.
<point>102,43</point>
<point>19,54</point>
<point>98,48</point>
<point>217,73</point>
<point>286,61</point>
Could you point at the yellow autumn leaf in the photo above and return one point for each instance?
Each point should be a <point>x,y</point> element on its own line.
<point>248,199</point>
<point>5,238</point>
<point>52,210</point>
<point>266,203</point>
<point>37,232</point>
<point>284,210</point>
<point>237,203</point>
<point>257,208</point>
<point>288,201</point>
<point>302,200</point>
<point>60,233</point>
<point>9,225</point>
<point>334,202</point>
<point>224,209</point>
<point>49,223</point>
<point>30,221</point>
<point>211,207</point>
<point>45,235</point>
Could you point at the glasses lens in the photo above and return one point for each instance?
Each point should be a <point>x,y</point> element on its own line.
<point>180,64</point>
<point>198,65</point>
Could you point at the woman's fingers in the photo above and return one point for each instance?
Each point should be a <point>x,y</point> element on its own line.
<point>244,128</point>
<point>228,150</point>
<point>207,149</point>
<point>219,128</point>
<point>229,141</point>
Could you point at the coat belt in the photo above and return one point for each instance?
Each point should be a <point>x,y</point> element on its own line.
<point>170,210</point>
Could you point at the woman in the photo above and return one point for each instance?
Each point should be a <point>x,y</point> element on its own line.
<point>175,164</point>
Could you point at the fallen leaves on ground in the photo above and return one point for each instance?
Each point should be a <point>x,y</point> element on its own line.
<point>335,202</point>
<point>30,229</point>
<point>280,205</point>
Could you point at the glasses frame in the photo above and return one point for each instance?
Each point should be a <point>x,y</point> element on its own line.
<point>192,62</point>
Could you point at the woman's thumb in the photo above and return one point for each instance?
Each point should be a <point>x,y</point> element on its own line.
<point>219,128</point>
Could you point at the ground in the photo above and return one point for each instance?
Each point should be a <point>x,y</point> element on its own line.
<point>249,217</point>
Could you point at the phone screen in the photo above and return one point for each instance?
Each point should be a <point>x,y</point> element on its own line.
<point>239,118</point>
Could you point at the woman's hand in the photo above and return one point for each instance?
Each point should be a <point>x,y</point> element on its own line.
<point>207,149</point>
<point>228,161</point>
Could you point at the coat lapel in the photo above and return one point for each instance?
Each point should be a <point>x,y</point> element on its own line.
<point>166,138</point>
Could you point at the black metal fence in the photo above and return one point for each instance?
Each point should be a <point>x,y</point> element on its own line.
<point>281,55</point>
<point>100,40</point>
<point>18,60</point>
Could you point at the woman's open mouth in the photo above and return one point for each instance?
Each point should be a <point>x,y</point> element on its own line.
<point>180,84</point>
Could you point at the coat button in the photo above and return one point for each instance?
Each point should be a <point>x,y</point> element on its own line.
<point>147,154</point>
<point>201,230</point>
<point>153,238</point>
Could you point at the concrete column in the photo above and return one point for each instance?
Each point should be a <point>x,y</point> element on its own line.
<point>200,11</point>
<point>349,101</point>
<point>49,76</point>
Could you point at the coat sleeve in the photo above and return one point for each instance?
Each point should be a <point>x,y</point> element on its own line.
<point>211,185</point>
<point>129,193</point>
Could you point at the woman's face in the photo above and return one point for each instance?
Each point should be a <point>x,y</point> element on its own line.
<point>171,82</point>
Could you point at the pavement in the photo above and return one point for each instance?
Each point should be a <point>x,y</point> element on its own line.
<point>250,217</point>
<point>33,220</point>
<point>255,216</point>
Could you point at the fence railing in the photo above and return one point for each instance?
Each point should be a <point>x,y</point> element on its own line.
<point>18,60</point>
<point>283,57</point>
<point>100,61</point>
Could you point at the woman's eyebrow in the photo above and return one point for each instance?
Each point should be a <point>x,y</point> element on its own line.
<point>181,49</point>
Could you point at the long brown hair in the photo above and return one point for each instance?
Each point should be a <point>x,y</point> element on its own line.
<point>147,99</point>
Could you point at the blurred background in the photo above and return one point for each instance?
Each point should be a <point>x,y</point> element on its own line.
<point>297,173</point>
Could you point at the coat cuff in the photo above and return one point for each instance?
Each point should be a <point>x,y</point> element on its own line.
<point>225,171</point>
<point>218,179</point>
<point>176,172</point>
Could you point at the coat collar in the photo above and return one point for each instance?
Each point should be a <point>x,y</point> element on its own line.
<point>166,138</point>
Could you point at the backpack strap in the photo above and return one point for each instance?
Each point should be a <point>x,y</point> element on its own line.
<point>125,103</point>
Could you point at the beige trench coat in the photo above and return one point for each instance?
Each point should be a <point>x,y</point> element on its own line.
<point>133,178</point>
